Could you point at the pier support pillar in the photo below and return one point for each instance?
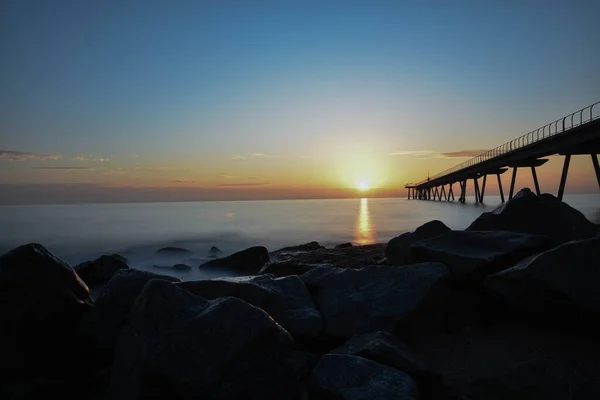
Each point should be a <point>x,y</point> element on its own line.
<point>463,191</point>
<point>512,183</point>
<point>450,192</point>
<point>596,167</point>
<point>500,187</point>
<point>476,187</point>
<point>563,178</point>
<point>482,189</point>
<point>535,180</point>
<point>444,193</point>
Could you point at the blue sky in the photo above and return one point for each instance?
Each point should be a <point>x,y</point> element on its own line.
<point>285,91</point>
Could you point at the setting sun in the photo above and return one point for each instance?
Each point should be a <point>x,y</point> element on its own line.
<point>363,185</point>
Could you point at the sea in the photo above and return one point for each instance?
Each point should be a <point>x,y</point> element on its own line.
<point>81,232</point>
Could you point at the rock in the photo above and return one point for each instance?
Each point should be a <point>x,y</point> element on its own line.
<point>182,267</point>
<point>349,257</point>
<point>280,269</point>
<point>559,281</point>
<point>310,246</point>
<point>542,215</point>
<point>383,348</point>
<point>285,299</point>
<point>103,324</point>
<point>397,250</point>
<point>250,260</point>
<point>180,345</point>
<point>100,271</point>
<point>355,378</point>
<point>344,245</point>
<point>378,298</point>
<point>474,255</point>
<point>41,301</point>
<point>178,251</point>
<point>214,252</point>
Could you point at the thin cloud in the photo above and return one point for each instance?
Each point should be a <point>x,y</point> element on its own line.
<point>262,155</point>
<point>91,159</point>
<point>242,184</point>
<point>436,154</point>
<point>236,177</point>
<point>416,153</point>
<point>23,156</point>
<point>237,157</point>
<point>463,153</point>
<point>67,168</point>
<point>182,181</point>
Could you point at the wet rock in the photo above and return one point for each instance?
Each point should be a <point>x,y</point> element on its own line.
<point>214,252</point>
<point>558,282</point>
<point>103,324</point>
<point>100,271</point>
<point>285,299</point>
<point>350,377</point>
<point>344,245</point>
<point>180,345</point>
<point>310,246</point>
<point>378,298</point>
<point>280,269</point>
<point>474,255</point>
<point>182,267</point>
<point>397,250</point>
<point>41,302</point>
<point>349,257</point>
<point>250,260</point>
<point>175,251</point>
<point>382,347</point>
<point>542,215</point>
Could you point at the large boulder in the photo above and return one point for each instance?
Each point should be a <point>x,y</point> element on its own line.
<point>178,345</point>
<point>41,302</point>
<point>339,376</point>
<point>103,324</point>
<point>378,298</point>
<point>100,271</point>
<point>174,251</point>
<point>250,260</point>
<point>280,269</point>
<point>397,249</point>
<point>542,215</point>
<point>562,280</point>
<point>474,255</point>
<point>285,299</point>
<point>382,347</point>
<point>310,246</point>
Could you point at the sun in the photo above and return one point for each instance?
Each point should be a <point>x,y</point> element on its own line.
<point>363,185</point>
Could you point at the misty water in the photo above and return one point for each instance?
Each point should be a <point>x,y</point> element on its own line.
<point>79,233</point>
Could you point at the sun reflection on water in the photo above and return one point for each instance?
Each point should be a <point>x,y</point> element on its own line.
<point>364,231</point>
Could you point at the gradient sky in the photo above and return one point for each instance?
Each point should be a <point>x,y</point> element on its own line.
<point>178,100</point>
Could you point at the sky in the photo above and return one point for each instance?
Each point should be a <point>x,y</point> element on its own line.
<point>231,100</point>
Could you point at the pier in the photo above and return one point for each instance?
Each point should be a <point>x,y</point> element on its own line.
<point>575,134</point>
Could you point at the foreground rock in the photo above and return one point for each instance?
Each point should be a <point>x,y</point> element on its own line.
<point>175,251</point>
<point>474,255</point>
<point>41,301</point>
<point>564,280</point>
<point>310,246</point>
<point>180,345</point>
<point>250,260</point>
<point>285,299</point>
<point>103,324</point>
<point>355,378</point>
<point>397,249</point>
<point>280,269</point>
<point>99,271</point>
<point>378,298</point>
<point>348,257</point>
<point>543,215</point>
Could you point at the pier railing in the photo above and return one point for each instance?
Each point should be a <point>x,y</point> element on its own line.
<point>561,125</point>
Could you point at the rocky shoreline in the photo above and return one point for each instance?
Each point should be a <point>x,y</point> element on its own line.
<point>507,309</point>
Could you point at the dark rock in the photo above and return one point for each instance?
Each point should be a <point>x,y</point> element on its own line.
<point>310,246</point>
<point>285,299</point>
<point>178,345</point>
<point>349,377</point>
<point>280,269</point>
<point>474,255</point>
<point>177,251</point>
<point>378,298</point>
<point>542,215</point>
<point>182,267</point>
<point>349,257</point>
<point>565,279</point>
<point>100,271</point>
<point>397,250</point>
<point>250,260</point>
<point>41,301</point>
<point>214,251</point>
<point>383,348</point>
<point>103,324</point>
<point>344,245</point>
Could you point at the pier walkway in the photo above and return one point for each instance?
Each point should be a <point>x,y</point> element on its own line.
<point>575,134</point>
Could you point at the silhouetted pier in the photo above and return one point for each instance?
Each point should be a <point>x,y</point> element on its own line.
<point>576,134</point>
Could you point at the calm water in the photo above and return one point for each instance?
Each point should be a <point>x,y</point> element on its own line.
<point>81,232</point>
